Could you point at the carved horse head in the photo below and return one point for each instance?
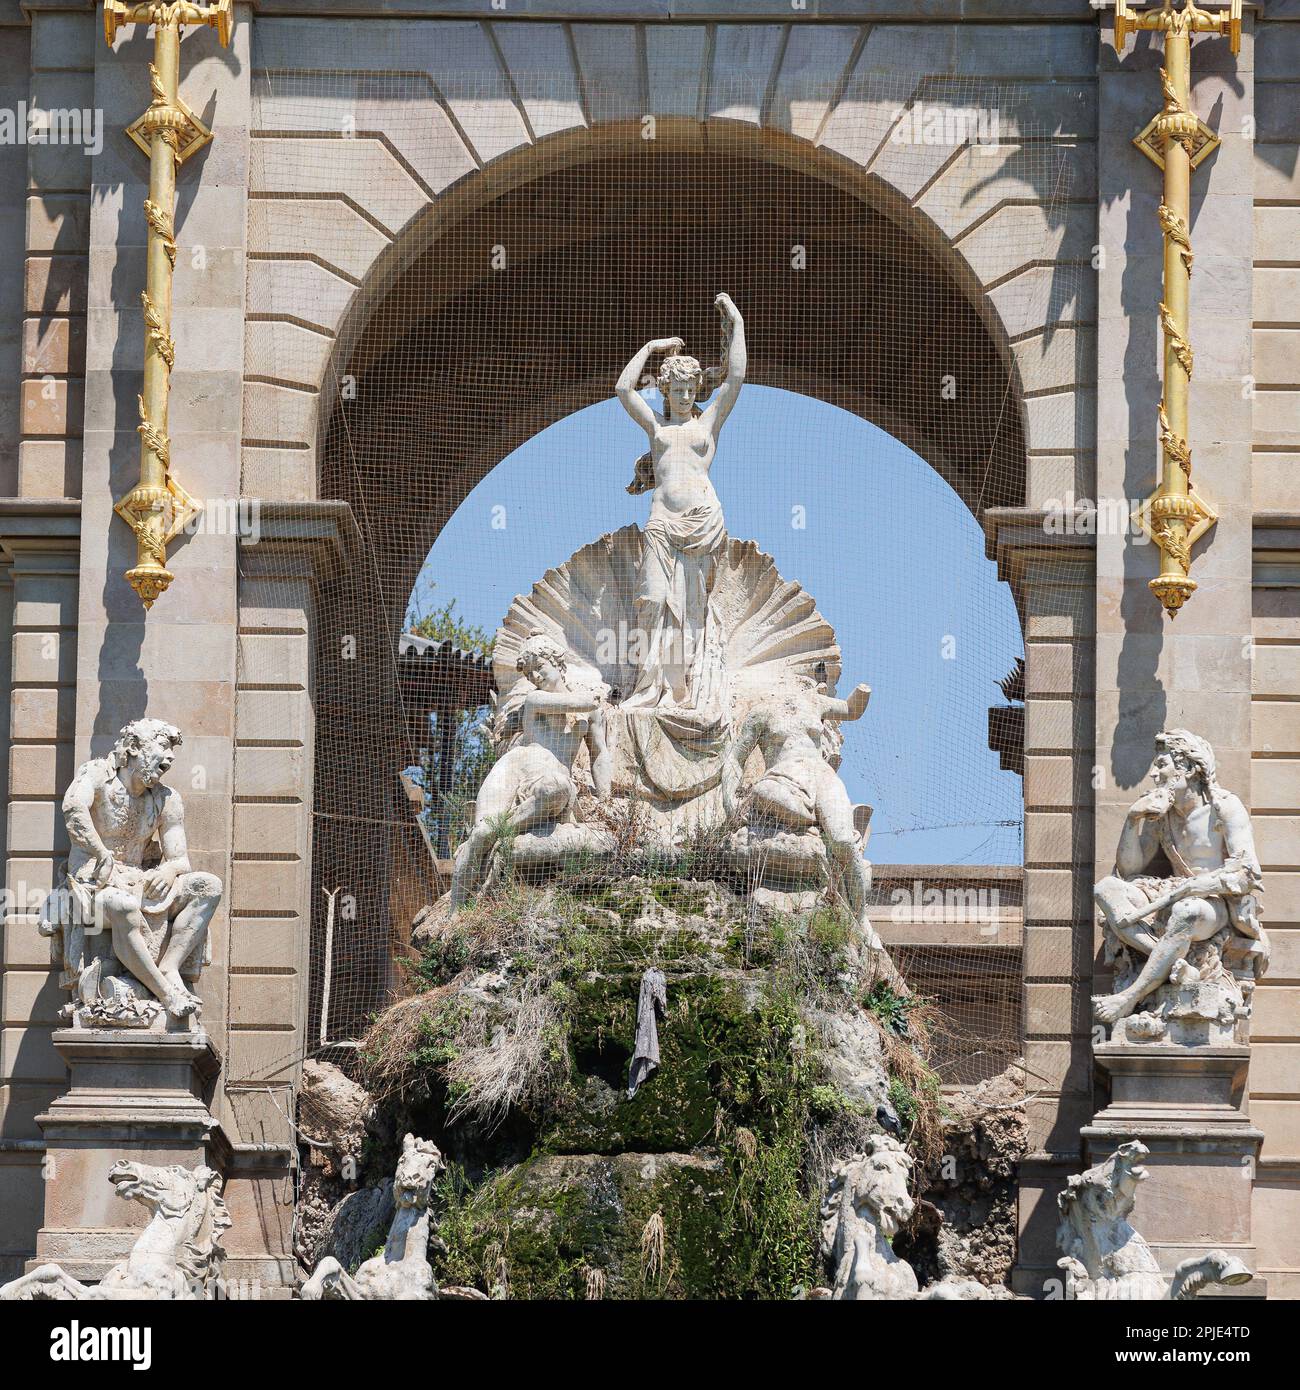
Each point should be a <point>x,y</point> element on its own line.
<point>417,1171</point>
<point>874,1183</point>
<point>1095,1205</point>
<point>186,1204</point>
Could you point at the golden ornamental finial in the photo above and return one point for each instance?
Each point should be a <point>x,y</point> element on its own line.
<point>157,508</point>
<point>1175,516</point>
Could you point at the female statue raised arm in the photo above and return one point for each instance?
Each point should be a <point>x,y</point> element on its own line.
<point>681,662</point>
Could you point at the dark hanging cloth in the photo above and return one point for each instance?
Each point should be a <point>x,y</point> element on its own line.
<point>645,1055</point>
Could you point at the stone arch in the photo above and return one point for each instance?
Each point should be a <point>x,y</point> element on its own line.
<point>400,197</point>
<point>499,104</point>
<point>979,446</point>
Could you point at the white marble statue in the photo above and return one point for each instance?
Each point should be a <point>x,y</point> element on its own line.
<point>131,921</point>
<point>530,794</point>
<point>867,1203</point>
<point>1180,914</point>
<point>1105,1259</point>
<point>683,662</point>
<point>772,634</point>
<point>799,792</point>
<point>178,1255</point>
<point>401,1271</point>
<point>683,627</point>
<point>689,634</point>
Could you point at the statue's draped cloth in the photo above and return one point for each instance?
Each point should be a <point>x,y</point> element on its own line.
<point>1239,900</point>
<point>679,741</point>
<point>679,560</point>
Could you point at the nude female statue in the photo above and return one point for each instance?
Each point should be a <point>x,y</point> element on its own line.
<point>532,785</point>
<point>799,789</point>
<point>686,534</point>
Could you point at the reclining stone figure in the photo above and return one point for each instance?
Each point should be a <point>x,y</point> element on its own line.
<point>799,791</point>
<point>530,794</point>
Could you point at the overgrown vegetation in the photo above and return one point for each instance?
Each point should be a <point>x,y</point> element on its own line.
<point>890,1007</point>
<point>523,1007</point>
<point>905,1021</point>
<point>735,1222</point>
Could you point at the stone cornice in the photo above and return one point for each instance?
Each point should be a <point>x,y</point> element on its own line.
<point>1016,535</point>
<point>326,532</point>
<point>1275,530</point>
<point>650,11</point>
<point>39,523</point>
<point>1275,546</point>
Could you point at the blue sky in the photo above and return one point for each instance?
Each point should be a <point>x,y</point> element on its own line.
<point>891,555</point>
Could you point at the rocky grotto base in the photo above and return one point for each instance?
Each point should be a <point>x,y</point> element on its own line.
<point>781,1051</point>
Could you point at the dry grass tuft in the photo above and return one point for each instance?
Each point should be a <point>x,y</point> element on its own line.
<point>521,1065</point>
<point>653,1245</point>
<point>495,1048</point>
<point>626,821</point>
<point>907,1065</point>
<point>393,1040</point>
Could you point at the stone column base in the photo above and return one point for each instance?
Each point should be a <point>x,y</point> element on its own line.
<point>1185,1105</point>
<point>133,1095</point>
<point>259,1194</point>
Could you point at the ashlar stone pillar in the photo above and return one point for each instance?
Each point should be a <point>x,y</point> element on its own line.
<point>1185,1103</point>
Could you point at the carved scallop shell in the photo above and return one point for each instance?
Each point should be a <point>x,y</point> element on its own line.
<point>772,629</point>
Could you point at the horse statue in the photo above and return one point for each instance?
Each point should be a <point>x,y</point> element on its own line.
<point>178,1255</point>
<point>401,1271</point>
<point>866,1205</point>
<point>1106,1259</point>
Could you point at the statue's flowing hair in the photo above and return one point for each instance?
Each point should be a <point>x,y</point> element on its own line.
<point>537,647</point>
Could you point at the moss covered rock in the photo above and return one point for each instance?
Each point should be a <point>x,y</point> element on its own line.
<point>713,1040</point>
<point>593,1226</point>
<point>705,1184</point>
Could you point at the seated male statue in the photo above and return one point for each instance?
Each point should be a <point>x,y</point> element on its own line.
<point>155,915</point>
<point>1203,834</point>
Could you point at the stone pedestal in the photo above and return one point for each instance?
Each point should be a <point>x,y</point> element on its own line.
<point>134,1095</point>
<point>1185,1105</point>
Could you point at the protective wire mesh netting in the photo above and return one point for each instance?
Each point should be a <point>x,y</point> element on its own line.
<point>441,313</point>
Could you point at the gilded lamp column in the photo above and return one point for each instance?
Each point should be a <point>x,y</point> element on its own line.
<point>1174,516</point>
<point>157,508</point>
